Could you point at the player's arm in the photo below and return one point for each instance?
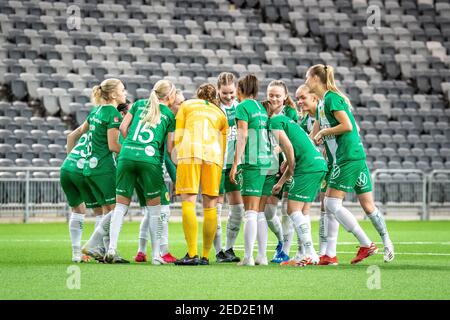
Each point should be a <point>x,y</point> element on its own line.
<point>170,166</point>
<point>286,146</point>
<point>113,140</point>
<point>125,125</point>
<point>242,136</point>
<point>315,129</point>
<point>75,135</point>
<point>344,126</point>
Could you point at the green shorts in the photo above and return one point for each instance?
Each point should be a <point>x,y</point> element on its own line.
<point>77,190</point>
<point>225,184</point>
<point>165,197</point>
<point>351,176</point>
<point>103,187</point>
<point>305,186</point>
<point>129,172</point>
<point>251,182</point>
<point>270,181</point>
<point>324,185</point>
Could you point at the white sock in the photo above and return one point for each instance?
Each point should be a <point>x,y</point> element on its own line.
<point>144,231</point>
<point>155,228</point>
<point>76,229</point>
<point>323,230</point>
<point>262,234</point>
<point>218,237</point>
<point>347,220</point>
<point>97,221</point>
<point>379,223</point>
<point>100,232</point>
<point>273,221</point>
<point>164,242</point>
<point>106,227</point>
<point>308,220</point>
<point>332,235</point>
<point>116,224</point>
<point>303,230</point>
<point>234,224</point>
<point>288,229</point>
<point>250,230</point>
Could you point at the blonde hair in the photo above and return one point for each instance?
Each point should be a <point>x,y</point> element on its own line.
<point>209,93</point>
<point>280,83</point>
<point>161,90</point>
<point>102,93</point>
<point>225,78</point>
<point>326,75</point>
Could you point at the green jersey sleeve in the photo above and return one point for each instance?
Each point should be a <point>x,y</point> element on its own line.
<point>335,102</point>
<point>241,112</point>
<point>276,123</point>
<point>115,118</point>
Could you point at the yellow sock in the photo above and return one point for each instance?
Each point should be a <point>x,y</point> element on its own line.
<point>190,226</point>
<point>209,229</point>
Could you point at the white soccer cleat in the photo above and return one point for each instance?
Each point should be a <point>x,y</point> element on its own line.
<point>158,261</point>
<point>261,261</point>
<point>247,262</point>
<point>389,253</point>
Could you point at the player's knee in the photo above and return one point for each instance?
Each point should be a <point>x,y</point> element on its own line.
<point>332,205</point>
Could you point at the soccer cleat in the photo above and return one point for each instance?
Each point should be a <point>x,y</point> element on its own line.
<point>221,256</point>
<point>282,256</point>
<point>308,261</point>
<point>232,255</point>
<point>326,260</point>
<point>291,263</point>
<point>168,258</point>
<point>85,258</point>
<point>278,250</point>
<point>365,252</point>
<point>247,262</point>
<point>112,257</point>
<point>389,253</point>
<point>204,261</point>
<point>261,261</point>
<point>140,257</point>
<point>97,253</point>
<point>187,261</point>
<point>158,261</point>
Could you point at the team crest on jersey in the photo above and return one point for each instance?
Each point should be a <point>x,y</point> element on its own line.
<point>116,119</point>
<point>362,180</point>
<point>290,183</point>
<point>335,172</point>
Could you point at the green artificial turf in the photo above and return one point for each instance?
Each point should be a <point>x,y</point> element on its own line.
<point>35,264</point>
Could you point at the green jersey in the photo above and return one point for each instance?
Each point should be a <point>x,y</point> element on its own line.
<point>307,156</point>
<point>76,159</point>
<point>290,112</point>
<point>144,142</point>
<point>257,149</point>
<point>307,123</point>
<point>100,159</point>
<point>344,147</point>
<point>231,135</point>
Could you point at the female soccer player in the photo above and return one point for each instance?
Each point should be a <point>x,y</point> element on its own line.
<point>336,128</point>
<point>253,144</point>
<point>308,170</point>
<point>307,103</point>
<point>144,230</point>
<point>226,85</point>
<point>279,99</point>
<point>100,169</point>
<point>145,128</point>
<point>200,141</point>
<point>78,193</point>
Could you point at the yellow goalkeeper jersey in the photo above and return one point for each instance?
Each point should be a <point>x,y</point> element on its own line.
<point>201,131</point>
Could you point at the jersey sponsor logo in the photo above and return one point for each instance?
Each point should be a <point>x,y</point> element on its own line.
<point>362,180</point>
<point>290,183</point>
<point>93,162</point>
<point>150,151</point>
<point>116,119</point>
<point>336,172</point>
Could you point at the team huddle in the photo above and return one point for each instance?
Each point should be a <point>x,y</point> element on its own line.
<point>225,145</point>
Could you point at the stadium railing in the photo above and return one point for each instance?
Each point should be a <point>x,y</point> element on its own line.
<point>26,194</point>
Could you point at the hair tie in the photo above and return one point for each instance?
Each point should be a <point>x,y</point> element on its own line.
<point>325,67</point>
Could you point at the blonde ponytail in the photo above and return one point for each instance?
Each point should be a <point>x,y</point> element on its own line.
<point>102,94</point>
<point>161,90</point>
<point>326,76</point>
